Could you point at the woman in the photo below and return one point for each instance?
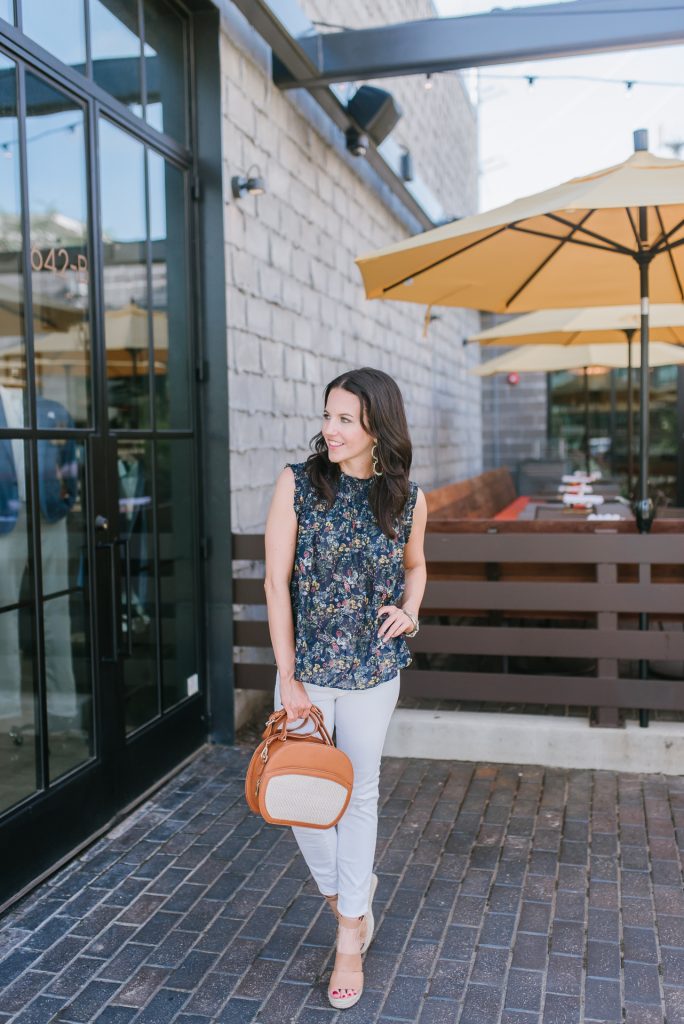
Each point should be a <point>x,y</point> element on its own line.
<point>345,575</point>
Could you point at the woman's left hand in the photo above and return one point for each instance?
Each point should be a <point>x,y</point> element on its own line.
<point>395,623</point>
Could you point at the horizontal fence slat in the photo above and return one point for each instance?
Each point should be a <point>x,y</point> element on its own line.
<point>254,677</point>
<point>539,596</point>
<point>251,634</point>
<point>554,548</point>
<point>659,694</point>
<point>248,546</point>
<point>519,547</point>
<point>249,591</point>
<point>626,644</point>
<point>553,597</point>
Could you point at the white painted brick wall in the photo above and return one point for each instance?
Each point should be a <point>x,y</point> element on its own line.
<point>297,316</point>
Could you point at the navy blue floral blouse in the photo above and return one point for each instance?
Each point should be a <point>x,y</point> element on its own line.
<point>345,570</point>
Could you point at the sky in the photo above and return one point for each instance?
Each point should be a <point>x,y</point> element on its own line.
<point>535,137</point>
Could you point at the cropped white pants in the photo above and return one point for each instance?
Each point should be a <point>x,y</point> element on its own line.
<point>341,858</point>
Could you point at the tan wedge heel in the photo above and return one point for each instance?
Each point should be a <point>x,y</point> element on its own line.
<point>347,975</point>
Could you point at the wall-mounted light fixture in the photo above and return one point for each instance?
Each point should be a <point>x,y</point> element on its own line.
<point>252,183</point>
<point>357,142</point>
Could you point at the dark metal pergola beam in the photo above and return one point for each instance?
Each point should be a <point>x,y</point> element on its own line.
<point>279,23</point>
<point>498,37</point>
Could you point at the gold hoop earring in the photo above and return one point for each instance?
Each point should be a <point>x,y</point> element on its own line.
<point>374,456</point>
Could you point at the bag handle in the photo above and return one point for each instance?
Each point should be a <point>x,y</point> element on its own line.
<point>277,724</point>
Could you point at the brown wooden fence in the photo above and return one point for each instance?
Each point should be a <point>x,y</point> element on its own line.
<point>543,618</point>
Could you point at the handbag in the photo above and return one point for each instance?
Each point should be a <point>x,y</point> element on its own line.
<point>295,779</point>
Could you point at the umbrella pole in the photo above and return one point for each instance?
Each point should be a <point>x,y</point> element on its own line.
<point>630,416</point>
<point>587,446</point>
<point>644,506</point>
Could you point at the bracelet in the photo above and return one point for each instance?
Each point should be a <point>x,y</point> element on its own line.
<point>414,621</point>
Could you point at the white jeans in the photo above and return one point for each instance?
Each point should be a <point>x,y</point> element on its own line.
<point>341,858</point>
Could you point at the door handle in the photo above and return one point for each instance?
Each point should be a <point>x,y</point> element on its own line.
<point>110,545</point>
<point>123,543</point>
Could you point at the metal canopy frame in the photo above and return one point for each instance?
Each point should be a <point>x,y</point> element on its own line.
<point>305,59</point>
<point>498,37</point>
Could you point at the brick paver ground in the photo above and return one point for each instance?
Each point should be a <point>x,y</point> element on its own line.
<point>507,896</point>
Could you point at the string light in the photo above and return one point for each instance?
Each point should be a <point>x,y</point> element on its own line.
<point>628,83</point>
<point>427,84</point>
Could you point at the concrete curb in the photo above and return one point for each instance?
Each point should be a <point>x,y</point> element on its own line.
<point>535,739</point>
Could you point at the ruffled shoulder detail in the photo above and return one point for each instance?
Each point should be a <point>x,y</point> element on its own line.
<point>407,512</point>
<point>301,485</point>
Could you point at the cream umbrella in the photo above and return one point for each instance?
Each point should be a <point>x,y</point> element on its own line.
<point>602,324</point>
<point>605,238</point>
<point>552,358</point>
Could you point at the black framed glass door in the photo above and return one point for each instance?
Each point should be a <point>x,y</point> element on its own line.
<point>100,644</point>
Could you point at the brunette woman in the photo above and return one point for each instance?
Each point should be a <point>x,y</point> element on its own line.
<point>345,576</point>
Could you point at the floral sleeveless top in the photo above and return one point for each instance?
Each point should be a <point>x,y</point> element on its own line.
<point>345,570</point>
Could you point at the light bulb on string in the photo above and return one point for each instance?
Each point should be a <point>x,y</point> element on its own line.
<point>427,84</point>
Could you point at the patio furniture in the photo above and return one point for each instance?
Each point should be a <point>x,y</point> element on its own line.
<point>479,497</point>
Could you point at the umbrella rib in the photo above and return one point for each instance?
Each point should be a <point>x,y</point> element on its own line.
<point>444,259</point>
<point>669,254</point>
<point>663,243</point>
<point>633,227</point>
<point>575,241</point>
<point>547,259</point>
<point>593,234</point>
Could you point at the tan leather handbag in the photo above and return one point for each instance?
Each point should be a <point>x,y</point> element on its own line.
<point>296,779</point>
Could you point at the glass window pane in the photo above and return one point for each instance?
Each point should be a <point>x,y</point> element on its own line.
<point>12,350</point>
<point>169,295</point>
<point>115,50</point>
<point>7,10</point>
<point>124,236</point>
<point>18,708</point>
<point>58,27</point>
<point>64,555</point>
<point>165,73</point>
<point>55,143</point>
<point>139,633</point>
<point>177,582</point>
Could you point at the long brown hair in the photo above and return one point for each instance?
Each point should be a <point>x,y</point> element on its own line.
<point>383,416</point>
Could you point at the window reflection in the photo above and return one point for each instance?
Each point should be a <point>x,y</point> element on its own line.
<point>58,27</point>
<point>169,294</point>
<point>164,69</point>
<point>177,593</point>
<point>64,549</point>
<point>12,351</point>
<point>55,143</point>
<point>18,707</point>
<point>138,588</point>
<point>115,50</point>
<point>602,409</point>
<point>124,236</point>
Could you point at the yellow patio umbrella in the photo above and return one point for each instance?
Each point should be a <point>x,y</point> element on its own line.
<point>605,238</point>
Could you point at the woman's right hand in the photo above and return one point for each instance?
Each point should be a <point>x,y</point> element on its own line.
<point>295,700</point>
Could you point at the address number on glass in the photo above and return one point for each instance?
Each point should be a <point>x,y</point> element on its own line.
<point>58,261</point>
